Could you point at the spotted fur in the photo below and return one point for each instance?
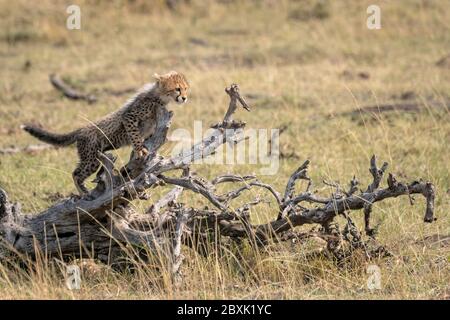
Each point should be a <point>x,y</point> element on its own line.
<point>131,124</point>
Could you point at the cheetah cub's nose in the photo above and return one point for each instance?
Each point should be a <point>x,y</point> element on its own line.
<point>184,99</point>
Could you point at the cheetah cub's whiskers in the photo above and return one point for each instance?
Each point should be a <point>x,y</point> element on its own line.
<point>132,124</point>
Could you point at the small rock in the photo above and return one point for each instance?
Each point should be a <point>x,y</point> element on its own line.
<point>350,75</point>
<point>363,75</point>
<point>408,95</point>
<point>444,62</point>
<point>26,65</point>
<point>199,42</point>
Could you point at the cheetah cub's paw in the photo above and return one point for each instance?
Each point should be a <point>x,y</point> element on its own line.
<point>142,153</point>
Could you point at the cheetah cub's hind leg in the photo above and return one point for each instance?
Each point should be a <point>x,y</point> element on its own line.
<point>87,151</point>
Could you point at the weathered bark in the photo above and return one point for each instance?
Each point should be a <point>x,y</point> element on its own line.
<point>103,224</point>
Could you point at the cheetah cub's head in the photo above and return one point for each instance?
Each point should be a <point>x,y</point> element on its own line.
<point>172,85</point>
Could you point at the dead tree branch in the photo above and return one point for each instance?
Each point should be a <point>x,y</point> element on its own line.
<point>30,149</point>
<point>69,92</point>
<point>104,222</point>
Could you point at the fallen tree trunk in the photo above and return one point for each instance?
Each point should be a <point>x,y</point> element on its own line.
<point>104,226</point>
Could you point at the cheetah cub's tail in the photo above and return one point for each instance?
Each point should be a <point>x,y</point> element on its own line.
<point>52,138</point>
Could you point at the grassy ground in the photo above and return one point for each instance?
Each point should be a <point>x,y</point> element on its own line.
<point>301,61</point>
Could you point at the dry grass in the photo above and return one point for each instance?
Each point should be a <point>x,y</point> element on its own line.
<point>301,62</point>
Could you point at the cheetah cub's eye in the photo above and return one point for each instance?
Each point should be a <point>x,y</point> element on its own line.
<point>178,89</point>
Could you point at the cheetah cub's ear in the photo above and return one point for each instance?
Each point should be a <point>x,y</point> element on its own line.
<point>157,77</point>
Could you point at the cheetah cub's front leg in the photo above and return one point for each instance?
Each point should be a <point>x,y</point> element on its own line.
<point>131,125</point>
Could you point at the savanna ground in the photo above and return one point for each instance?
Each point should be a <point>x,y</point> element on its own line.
<point>301,64</point>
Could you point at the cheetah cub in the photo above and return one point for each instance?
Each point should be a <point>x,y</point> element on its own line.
<point>131,124</point>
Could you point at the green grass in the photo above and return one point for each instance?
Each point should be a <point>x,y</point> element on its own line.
<point>293,57</point>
